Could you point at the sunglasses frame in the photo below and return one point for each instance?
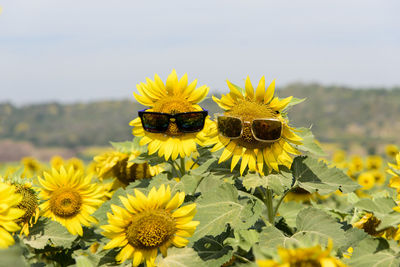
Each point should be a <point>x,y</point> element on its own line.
<point>171,116</point>
<point>216,115</point>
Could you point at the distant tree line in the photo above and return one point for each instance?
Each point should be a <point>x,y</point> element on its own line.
<point>336,114</point>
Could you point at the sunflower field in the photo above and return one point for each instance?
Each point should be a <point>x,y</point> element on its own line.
<point>242,187</point>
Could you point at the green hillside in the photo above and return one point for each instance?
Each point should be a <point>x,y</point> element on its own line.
<point>337,114</point>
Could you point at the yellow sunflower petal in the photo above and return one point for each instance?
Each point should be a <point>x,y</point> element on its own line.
<point>270,92</point>
<point>249,88</point>
<point>260,90</point>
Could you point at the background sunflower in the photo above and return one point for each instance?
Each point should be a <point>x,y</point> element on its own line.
<point>69,198</point>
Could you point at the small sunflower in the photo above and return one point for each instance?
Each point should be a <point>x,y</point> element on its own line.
<point>253,105</point>
<point>76,163</point>
<point>9,214</point>
<point>118,165</point>
<point>70,198</point>
<point>31,166</point>
<point>299,195</point>
<point>379,176</point>
<point>369,224</point>
<point>391,150</point>
<point>56,162</point>
<point>366,180</point>
<point>339,156</point>
<point>313,256</point>
<point>176,96</point>
<point>29,204</point>
<point>356,163</point>
<point>148,224</point>
<point>374,162</point>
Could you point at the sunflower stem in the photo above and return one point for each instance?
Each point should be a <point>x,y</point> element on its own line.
<point>269,204</point>
<point>241,258</point>
<point>183,167</point>
<point>280,202</point>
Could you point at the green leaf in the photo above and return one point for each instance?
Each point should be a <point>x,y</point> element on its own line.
<point>379,206</point>
<point>203,167</point>
<point>101,213</point>
<point>220,206</point>
<point>389,220</point>
<point>163,179</point>
<point>244,239</point>
<point>129,146</point>
<point>315,176</point>
<point>370,245</point>
<point>12,256</point>
<point>213,251</point>
<point>100,258</point>
<point>180,257</point>
<point>277,182</point>
<point>83,261</point>
<point>46,232</point>
<point>190,182</point>
<point>289,211</point>
<point>314,224</point>
<point>294,101</point>
<point>309,144</point>
<point>353,236</point>
<point>380,259</point>
<point>269,240</point>
<point>373,252</point>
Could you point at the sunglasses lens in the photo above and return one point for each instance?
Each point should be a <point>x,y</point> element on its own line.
<point>267,130</point>
<point>155,123</point>
<point>190,122</point>
<point>229,127</point>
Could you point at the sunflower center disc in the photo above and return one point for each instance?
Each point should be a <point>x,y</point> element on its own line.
<point>65,202</point>
<point>151,229</point>
<point>249,110</point>
<point>29,202</point>
<point>306,263</point>
<point>173,105</point>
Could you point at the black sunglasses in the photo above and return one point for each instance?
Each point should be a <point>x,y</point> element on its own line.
<point>158,122</point>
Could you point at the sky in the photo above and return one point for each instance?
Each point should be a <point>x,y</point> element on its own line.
<point>88,50</point>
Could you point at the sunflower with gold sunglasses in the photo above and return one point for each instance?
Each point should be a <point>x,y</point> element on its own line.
<point>253,130</point>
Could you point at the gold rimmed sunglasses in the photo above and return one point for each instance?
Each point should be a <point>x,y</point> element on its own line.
<point>263,129</point>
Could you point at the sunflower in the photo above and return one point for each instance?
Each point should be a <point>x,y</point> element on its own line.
<point>176,96</point>
<point>9,214</point>
<point>31,166</point>
<point>313,256</point>
<point>366,180</point>
<point>251,105</point>
<point>147,224</point>
<point>369,223</point>
<point>118,165</point>
<point>70,198</point>
<point>299,194</point>
<point>29,204</point>
<point>339,156</point>
<point>391,150</point>
<point>374,162</point>
<point>56,162</point>
<point>356,163</point>
<point>379,177</point>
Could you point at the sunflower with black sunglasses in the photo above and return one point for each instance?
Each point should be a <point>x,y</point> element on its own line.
<point>254,129</point>
<point>175,123</point>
